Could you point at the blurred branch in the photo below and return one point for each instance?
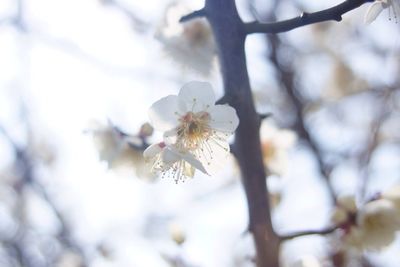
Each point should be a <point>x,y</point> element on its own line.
<point>288,80</point>
<point>334,13</point>
<point>307,233</point>
<point>373,143</point>
<point>26,165</point>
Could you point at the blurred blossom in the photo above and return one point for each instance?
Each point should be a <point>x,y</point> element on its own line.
<point>190,44</point>
<point>69,259</point>
<point>121,151</point>
<point>378,6</point>
<point>372,226</point>
<point>177,233</point>
<point>307,261</point>
<point>195,129</point>
<point>275,144</point>
<point>393,194</point>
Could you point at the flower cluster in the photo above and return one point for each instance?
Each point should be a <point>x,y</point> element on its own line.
<point>372,226</point>
<point>195,132</point>
<point>378,6</point>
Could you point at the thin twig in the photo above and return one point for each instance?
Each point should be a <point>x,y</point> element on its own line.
<point>195,14</point>
<point>307,233</point>
<point>334,13</point>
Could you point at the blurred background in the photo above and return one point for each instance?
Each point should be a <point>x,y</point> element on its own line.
<point>76,81</point>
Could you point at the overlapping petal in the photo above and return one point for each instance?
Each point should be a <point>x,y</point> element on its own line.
<point>164,113</point>
<point>197,96</point>
<point>374,10</point>
<point>223,118</point>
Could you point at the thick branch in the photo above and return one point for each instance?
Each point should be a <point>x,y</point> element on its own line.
<point>306,233</point>
<point>334,13</point>
<point>230,37</point>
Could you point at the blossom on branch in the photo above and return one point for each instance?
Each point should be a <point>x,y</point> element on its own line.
<point>194,127</point>
<point>379,5</point>
<point>372,226</point>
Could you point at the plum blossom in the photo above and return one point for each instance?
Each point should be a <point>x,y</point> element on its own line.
<point>171,162</point>
<point>372,226</point>
<point>119,150</point>
<point>194,127</point>
<point>378,6</point>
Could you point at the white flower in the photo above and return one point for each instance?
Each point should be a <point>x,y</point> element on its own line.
<point>378,6</point>
<point>192,123</point>
<point>121,151</point>
<point>307,261</point>
<point>190,44</point>
<point>275,144</point>
<point>171,162</point>
<point>378,221</point>
<point>393,195</point>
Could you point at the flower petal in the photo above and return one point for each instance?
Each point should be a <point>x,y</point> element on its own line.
<point>373,11</point>
<point>152,151</point>
<point>170,157</point>
<point>189,158</point>
<point>170,136</point>
<point>223,118</point>
<point>163,114</point>
<point>198,96</point>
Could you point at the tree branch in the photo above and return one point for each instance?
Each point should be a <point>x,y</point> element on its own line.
<point>230,38</point>
<point>195,14</point>
<point>334,13</point>
<point>306,233</point>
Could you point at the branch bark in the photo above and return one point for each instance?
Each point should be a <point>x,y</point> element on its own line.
<point>230,37</point>
<point>334,13</point>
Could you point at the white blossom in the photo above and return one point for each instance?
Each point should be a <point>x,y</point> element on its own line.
<point>194,125</point>
<point>191,44</point>
<point>275,144</point>
<point>378,221</point>
<point>120,151</point>
<point>171,162</point>
<point>370,227</point>
<point>378,6</point>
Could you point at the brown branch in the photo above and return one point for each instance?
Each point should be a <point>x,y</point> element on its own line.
<point>334,13</point>
<point>288,80</point>
<point>195,14</point>
<point>230,37</point>
<point>307,233</point>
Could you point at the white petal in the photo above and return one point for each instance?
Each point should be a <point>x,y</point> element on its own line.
<point>169,156</point>
<point>218,156</point>
<point>223,118</point>
<point>198,96</point>
<point>163,114</point>
<point>170,137</point>
<point>152,151</point>
<point>189,158</point>
<point>373,11</point>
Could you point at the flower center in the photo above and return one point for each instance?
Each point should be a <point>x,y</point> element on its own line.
<point>193,130</point>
